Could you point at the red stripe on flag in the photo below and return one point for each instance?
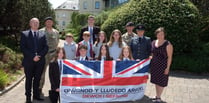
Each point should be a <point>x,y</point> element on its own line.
<point>77,68</point>
<point>108,69</point>
<point>125,71</point>
<point>119,81</point>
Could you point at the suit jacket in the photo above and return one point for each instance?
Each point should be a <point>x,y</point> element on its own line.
<point>141,50</point>
<point>78,58</point>
<point>27,46</point>
<point>54,75</point>
<point>96,31</point>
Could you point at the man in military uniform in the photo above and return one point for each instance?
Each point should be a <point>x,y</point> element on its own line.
<point>52,37</point>
<point>140,45</point>
<point>129,34</point>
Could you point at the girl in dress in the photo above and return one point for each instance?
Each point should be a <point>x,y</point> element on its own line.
<point>115,44</point>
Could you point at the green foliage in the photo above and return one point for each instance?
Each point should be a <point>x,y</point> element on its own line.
<point>15,15</point>
<point>78,21</point>
<point>9,60</point>
<point>196,62</point>
<point>204,32</point>
<point>100,19</point>
<point>10,42</point>
<point>179,17</point>
<point>3,79</point>
<point>202,5</point>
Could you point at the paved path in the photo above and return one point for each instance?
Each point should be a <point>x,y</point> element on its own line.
<point>182,88</point>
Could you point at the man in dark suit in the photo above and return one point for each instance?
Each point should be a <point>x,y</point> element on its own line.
<point>140,45</point>
<point>94,30</point>
<point>34,47</point>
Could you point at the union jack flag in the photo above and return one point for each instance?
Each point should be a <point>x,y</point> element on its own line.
<point>102,74</point>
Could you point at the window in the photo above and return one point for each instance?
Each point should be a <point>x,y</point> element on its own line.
<point>97,5</point>
<point>63,23</point>
<point>122,1</point>
<point>85,5</point>
<point>63,15</point>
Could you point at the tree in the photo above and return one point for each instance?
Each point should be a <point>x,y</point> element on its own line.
<point>202,5</point>
<point>15,15</point>
<point>77,22</point>
<point>179,17</point>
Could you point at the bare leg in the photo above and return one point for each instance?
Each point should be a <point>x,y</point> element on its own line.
<point>159,91</point>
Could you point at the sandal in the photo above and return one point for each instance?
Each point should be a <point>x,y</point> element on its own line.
<point>154,98</point>
<point>158,100</point>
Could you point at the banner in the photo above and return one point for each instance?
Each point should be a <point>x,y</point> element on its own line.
<point>103,81</point>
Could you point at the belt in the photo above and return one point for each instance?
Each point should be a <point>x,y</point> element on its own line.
<point>52,51</point>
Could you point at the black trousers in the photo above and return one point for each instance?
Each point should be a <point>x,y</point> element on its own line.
<point>33,72</point>
<point>54,96</point>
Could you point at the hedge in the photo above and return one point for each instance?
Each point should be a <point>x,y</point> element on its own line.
<point>179,17</point>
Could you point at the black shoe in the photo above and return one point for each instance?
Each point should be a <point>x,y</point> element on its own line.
<point>28,100</point>
<point>38,98</point>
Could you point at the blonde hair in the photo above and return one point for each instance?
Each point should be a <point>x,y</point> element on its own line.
<point>120,44</point>
<point>69,35</point>
<point>130,53</point>
<point>86,33</point>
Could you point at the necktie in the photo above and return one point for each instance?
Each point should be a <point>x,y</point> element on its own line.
<point>60,65</point>
<point>86,44</point>
<point>91,35</point>
<point>140,39</point>
<point>35,42</point>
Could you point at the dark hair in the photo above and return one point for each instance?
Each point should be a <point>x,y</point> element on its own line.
<point>160,29</point>
<point>98,40</point>
<point>82,47</point>
<point>108,57</point>
<point>57,52</point>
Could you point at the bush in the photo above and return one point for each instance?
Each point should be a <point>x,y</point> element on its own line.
<point>3,79</point>
<point>196,62</point>
<point>179,17</point>
<point>78,21</point>
<point>9,60</point>
<point>204,32</point>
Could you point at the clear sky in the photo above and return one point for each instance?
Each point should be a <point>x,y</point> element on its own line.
<point>56,3</point>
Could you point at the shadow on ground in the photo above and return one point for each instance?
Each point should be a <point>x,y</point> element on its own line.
<point>145,99</point>
<point>189,75</point>
<point>46,100</point>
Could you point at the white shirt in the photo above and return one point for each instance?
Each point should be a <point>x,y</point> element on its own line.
<point>91,35</point>
<point>60,65</point>
<point>82,58</point>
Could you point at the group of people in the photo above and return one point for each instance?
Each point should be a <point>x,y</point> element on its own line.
<point>40,50</point>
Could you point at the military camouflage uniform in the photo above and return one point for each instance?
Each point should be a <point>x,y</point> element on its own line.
<point>127,37</point>
<point>52,42</point>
